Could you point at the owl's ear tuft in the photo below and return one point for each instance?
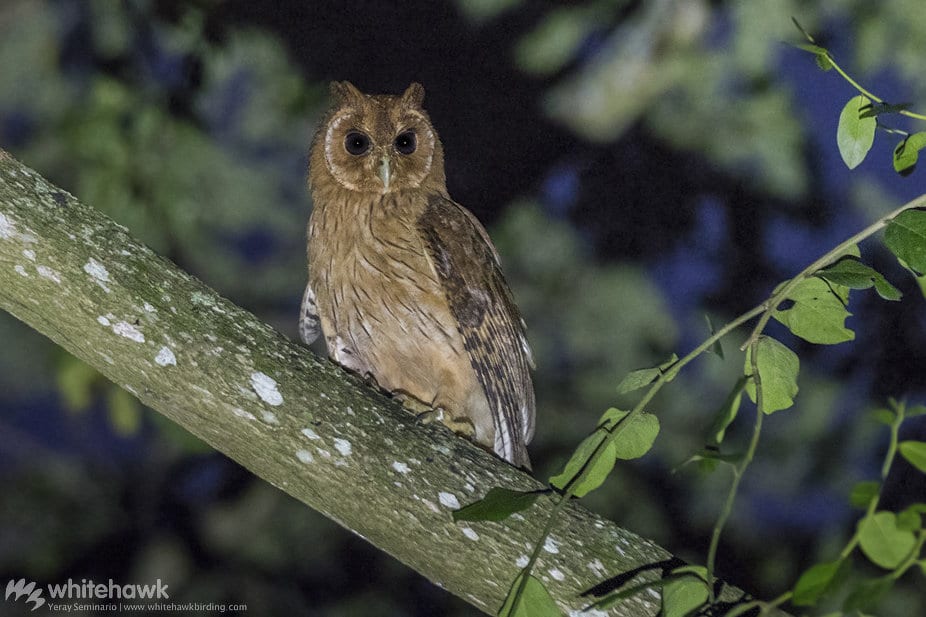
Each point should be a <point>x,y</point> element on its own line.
<point>413,95</point>
<point>345,92</point>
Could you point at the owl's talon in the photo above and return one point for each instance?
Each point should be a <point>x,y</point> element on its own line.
<point>431,415</point>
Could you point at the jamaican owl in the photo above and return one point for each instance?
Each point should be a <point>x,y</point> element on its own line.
<point>404,282</point>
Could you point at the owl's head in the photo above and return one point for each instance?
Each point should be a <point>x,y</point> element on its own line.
<point>377,143</point>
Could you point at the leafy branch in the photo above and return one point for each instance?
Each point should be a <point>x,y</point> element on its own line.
<point>861,116</point>
<point>819,294</point>
<point>817,299</point>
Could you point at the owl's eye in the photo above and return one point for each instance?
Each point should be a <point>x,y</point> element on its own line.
<point>356,143</point>
<point>406,143</point>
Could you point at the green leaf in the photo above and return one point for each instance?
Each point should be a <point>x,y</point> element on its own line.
<point>635,438</point>
<point>497,505</point>
<point>710,457</point>
<point>124,411</point>
<point>866,594</point>
<point>905,236</point>
<point>884,416</point>
<point>863,492</point>
<point>883,542</point>
<point>915,453</point>
<point>911,518</point>
<point>907,153</point>
<point>645,376</point>
<point>916,410</point>
<point>726,414</point>
<point>814,49</point>
<point>778,367</point>
<point>824,62</point>
<point>815,583</point>
<point>852,273</point>
<point>580,459</point>
<point>536,601</point>
<point>684,593</point>
<point>855,134</point>
<point>818,314</point>
<point>75,383</point>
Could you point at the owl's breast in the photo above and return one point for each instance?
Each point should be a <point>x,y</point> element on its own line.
<point>382,308</point>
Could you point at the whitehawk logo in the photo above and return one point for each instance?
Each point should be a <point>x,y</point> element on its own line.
<point>21,588</point>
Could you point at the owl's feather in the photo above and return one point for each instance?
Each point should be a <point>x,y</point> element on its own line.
<point>309,325</point>
<point>487,318</point>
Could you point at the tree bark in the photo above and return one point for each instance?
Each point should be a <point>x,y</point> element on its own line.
<point>302,424</point>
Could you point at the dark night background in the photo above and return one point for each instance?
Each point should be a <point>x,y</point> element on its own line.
<point>639,164</point>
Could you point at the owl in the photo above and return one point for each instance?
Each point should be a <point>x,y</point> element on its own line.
<point>404,282</point>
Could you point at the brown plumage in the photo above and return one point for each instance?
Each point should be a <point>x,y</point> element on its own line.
<point>405,283</point>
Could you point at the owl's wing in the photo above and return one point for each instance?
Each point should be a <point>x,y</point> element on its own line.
<point>308,317</point>
<point>493,332</point>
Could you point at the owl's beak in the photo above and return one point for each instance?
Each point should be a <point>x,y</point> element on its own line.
<point>385,171</point>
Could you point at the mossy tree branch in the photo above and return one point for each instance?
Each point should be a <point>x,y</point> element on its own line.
<point>297,422</point>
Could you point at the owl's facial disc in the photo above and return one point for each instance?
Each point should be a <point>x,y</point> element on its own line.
<point>377,146</point>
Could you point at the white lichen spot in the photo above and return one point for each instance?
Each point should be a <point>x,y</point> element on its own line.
<point>310,433</point>
<point>521,561</point>
<point>305,456</point>
<point>124,328</point>
<point>198,297</point>
<point>400,467</point>
<point>49,273</point>
<point>269,417</point>
<point>98,273</point>
<point>7,227</point>
<point>470,533</point>
<point>148,308</point>
<point>20,270</point>
<point>247,415</point>
<point>343,446</point>
<point>266,388</point>
<point>448,500</point>
<point>596,567</point>
<point>557,574</point>
<point>29,254</point>
<point>165,357</point>
<point>654,593</point>
<point>350,411</point>
<point>551,546</point>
